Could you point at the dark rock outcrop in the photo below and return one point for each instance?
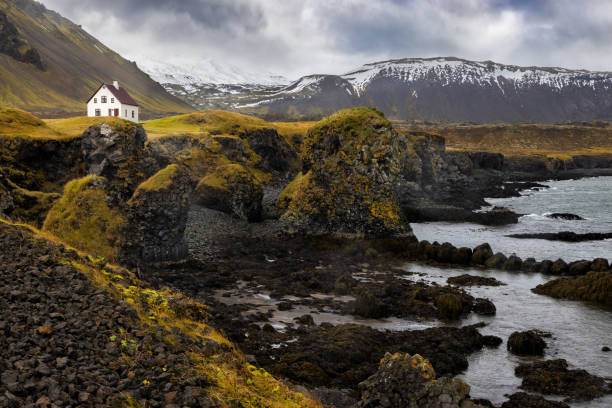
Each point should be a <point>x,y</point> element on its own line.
<point>497,261</point>
<point>553,377</point>
<point>405,381</point>
<point>276,154</point>
<point>565,216</point>
<point>116,152</point>
<point>481,253</point>
<point>233,190</point>
<point>15,46</point>
<point>471,280</point>
<point>527,343</point>
<point>524,400</point>
<point>157,215</point>
<point>351,164</point>
<point>566,236</point>
<point>593,287</point>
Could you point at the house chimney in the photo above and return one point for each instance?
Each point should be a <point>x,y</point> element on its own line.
<point>116,84</point>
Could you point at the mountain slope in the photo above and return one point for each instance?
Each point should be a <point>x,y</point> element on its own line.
<point>450,89</point>
<point>72,66</point>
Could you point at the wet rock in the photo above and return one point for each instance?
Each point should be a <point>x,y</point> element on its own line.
<point>445,252</point>
<point>530,265</point>
<point>463,256</point>
<point>545,267</point>
<point>600,265</point>
<point>276,154</point>
<point>553,377</point>
<point>496,216</point>
<point>344,284</point>
<point>473,280</point>
<point>497,261</point>
<point>513,263</point>
<point>527,343</point>
<point>405,381</point>
<point>449,306</point>
<point>605,349</point>
<point>484,307</point>
<point>592,287</point>
<point>284,306</point>
<point>559,267</point>
<point>231,189</point>
<point>306,320</point>
<point>481,254</point>
<point>564,216</point>
<point>577,268</point>
<point>367,305</point>
<point>524,400</point>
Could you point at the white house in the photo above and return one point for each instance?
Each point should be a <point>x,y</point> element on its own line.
<point>112,100</point>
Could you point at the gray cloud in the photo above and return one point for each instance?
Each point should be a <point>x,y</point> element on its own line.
<point>296,37</point>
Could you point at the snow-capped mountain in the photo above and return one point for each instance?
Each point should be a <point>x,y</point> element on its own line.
<point>450,89</point>
<point>207,84</point>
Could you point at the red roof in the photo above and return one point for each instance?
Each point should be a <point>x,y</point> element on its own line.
<point>122,95</point>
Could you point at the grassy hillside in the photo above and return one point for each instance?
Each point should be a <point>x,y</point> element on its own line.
<point>220,123</point>
<point>75,64</point>
<point>562,140</point>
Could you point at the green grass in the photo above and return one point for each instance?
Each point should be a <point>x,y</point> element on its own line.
<point>161,180</point>
<point>74,127</point>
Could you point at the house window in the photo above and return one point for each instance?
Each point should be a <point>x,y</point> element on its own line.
<point>95,100</point>
<point>112,100</point>
<point>126,113</point>
<point>98,113</point>
<point>110,112</point>
<point>103,99</point>
<point>132,114</point>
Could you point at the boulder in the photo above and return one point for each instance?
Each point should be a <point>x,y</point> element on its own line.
<point>232,189</point>
<point>449,306</point>
<point>593,287</point>
<point>513,263</point>
<point>530,265</point>
<point>445,252</point>
<point>116,152</point>
<point>463,256</point>
<point>484,307</point>
<point>577,268</point>
<point>559,267</point>
<point>545,267</point>
<point>565,216</point>
<point>527,343</point>
<point>481,253</point>
<point>600,265</point>
<point>409,381</point>
<point>496,216</point>
<point>352,162</point>
<point>497,261</point>
<point>157,216</point>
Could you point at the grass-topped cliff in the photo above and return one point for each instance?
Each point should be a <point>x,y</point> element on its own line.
<point>524,139</point>
<point>71,65</point>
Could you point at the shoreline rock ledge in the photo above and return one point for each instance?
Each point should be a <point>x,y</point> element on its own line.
<point>405,381</point>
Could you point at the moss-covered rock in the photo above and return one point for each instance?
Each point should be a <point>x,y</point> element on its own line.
<point>83,218</point>
<point>30,206</point>
<point>593,287</point>
<point>232,189</point>
<point>351,163</point>
<point>449,306</point>
<point>405,381</point>
<point>526,343</point>
<point>157,215</point>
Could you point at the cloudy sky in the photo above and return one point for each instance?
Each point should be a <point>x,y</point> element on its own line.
<point>298,37</point>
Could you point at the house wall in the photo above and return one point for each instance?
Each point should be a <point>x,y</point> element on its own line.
<point>104,107</point>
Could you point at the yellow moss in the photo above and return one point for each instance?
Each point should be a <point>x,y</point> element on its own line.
<point>74,127</point>
<point>160,180</point>
<point>18,123</point>
<point>82,218</point>
<point>284,199</point>
<point>223,177</point>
